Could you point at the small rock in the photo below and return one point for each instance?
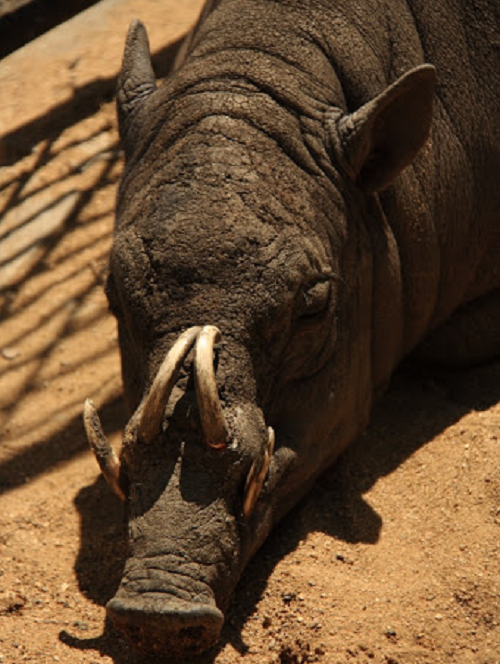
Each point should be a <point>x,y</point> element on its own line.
<point>391,634</point>
<point>82,626</point>
<point>10,353</point>
<point>288,597</point>
<point>11,602</point>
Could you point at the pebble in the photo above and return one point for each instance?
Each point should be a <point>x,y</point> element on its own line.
<point>267,622</point>
<point>368,652</point>
<point>390,633</point>
<point>10,353</point>
<point>81,625</point>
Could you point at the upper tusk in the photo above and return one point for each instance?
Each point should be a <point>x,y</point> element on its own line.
<point>104,453</point>
<point>257,475</point>
<point>212,418</point>
<point>153,408</point>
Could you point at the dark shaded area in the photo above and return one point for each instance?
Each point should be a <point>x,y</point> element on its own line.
<point>95,578</point>
<point>21,22</point>
<point>100,563</point>
<point>86,100</point>
<point>428,402</point>
<point>110,644</point>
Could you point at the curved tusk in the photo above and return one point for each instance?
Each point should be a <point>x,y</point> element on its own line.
<point>153,408</point>
<point>212,418</point>
<point>257,475</point>
<point>99,444</point>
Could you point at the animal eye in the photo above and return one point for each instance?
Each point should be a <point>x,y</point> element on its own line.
<point>313,300</point>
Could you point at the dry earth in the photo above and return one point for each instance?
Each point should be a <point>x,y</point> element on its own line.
<point>393,558</point>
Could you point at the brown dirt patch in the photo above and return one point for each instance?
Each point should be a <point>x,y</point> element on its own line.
<point>391,559</point>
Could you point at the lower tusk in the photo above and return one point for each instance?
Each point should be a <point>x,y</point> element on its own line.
<point>99,444</point>
<point>153,409</point>
<point>257,475</point>
<point>212,418</point>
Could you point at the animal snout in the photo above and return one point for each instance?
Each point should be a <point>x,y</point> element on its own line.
<point>173,627</point>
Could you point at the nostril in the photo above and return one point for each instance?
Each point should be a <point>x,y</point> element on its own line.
<point>172,626</point>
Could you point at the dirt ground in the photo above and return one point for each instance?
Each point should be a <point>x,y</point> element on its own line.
<point>393,558</point>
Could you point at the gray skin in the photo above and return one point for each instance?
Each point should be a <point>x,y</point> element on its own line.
<point>303,184</point>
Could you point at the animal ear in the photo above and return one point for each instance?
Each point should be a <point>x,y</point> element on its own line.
<point>376,142</point>
<point>136,81</point>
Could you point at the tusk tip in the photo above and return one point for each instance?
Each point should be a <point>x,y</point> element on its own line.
<point>217,446</point>
<point>257,475</point>
<point>212,332</point>
<point>105,455</point>
<point>89,407</point>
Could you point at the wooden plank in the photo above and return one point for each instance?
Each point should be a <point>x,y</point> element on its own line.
<point>78,59</point>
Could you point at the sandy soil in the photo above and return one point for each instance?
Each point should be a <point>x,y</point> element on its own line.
<point>393,558</point>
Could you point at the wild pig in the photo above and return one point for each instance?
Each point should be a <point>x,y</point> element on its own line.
<point>301,207</point>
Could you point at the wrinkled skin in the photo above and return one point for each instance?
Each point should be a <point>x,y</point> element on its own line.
<point>285,185</point>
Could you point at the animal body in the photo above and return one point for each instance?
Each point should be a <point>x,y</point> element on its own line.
<point>310,197</point>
